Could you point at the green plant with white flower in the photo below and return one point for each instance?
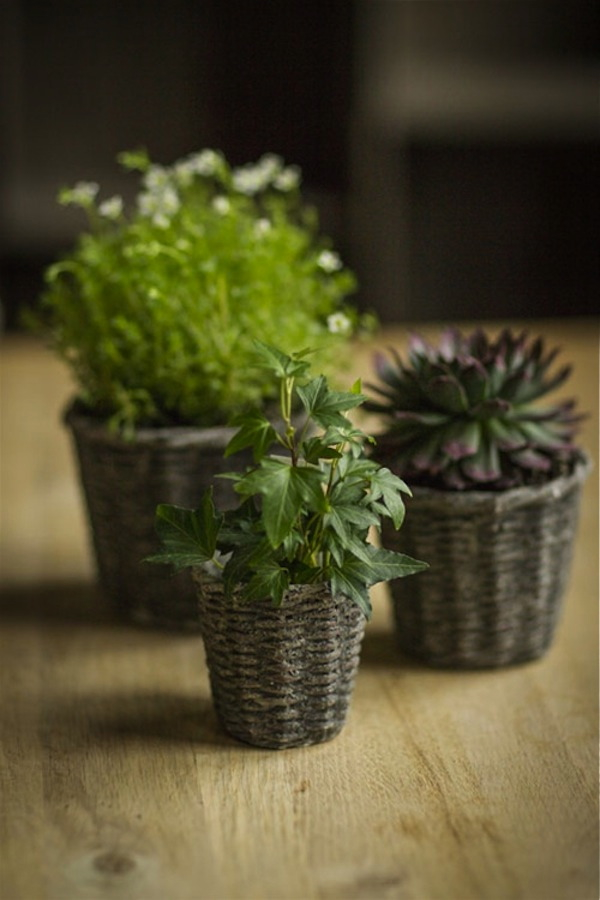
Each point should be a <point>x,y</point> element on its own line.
<point>156,307</point>
<point>306,505</point>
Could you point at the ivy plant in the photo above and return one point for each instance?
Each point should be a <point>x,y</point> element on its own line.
<point>307,504</point>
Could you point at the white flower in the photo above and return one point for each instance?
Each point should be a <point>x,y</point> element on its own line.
<point>262,226</point>
<point>206,162</point>
<point>248,180</point>
<point>159,205</point>
<point>82,194</point>
<point>288,179</point>
<point>270,165</point>
<point>184,172</point>
<point>251,179</point>
<point>338,323</point>
<point>111,208</point>
<point>329,261</point>
<point>221,205</point>
<point>157,178</point>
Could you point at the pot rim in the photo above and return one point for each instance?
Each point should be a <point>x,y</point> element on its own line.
<point>76,418</point>
<point>511,498</point>
<point>295,593</point>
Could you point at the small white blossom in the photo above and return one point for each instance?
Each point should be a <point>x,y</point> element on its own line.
<point>184,172</point>
<point>159,205</point>
<point>206,162</point>
<point>329,261</point>
<point>338,323</point>
<point>82,194</point>
<point>157,178</point>
<point>270,165</point>
<point>262,226</point>
<point>288,179</point>
<point>221,205</point>
<point>249,180</point>
<point>111,208</point>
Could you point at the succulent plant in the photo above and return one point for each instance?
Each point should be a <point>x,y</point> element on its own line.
<point>464,414</point>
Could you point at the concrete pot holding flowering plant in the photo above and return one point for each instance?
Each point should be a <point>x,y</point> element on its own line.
<point>496,481</point>
<point>155,311</point>
<point>283,579</point>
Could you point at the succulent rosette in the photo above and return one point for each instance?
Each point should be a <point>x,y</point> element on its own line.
<point>465,414</point>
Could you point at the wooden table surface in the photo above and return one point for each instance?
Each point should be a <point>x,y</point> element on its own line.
<point>116,781</point>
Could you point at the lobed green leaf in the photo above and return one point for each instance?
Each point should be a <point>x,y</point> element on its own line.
<point>189,537</point>
<point>255,431</point>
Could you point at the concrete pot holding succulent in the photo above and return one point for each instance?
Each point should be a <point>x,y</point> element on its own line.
<point>496,481</point>
<point>155,311</point>
<point>283,579</point>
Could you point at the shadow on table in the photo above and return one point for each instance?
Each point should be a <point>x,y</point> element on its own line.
<point>70,602</point>
<point>107,718</point>
<point>157,717</point>
<point>380,649</point>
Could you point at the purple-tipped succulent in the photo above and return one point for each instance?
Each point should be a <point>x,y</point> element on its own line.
<point>464,414</point>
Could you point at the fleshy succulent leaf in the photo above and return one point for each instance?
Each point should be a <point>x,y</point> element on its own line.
<point>445,391</point>
<point>466,413</point>
<point>531,459</point>
<point>461,439</point>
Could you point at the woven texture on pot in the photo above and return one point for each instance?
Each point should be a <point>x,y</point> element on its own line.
<point>281,676</point>
<point>123,482</point>
<point>499,565</point>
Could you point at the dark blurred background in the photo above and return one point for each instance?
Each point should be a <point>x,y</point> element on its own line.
<point>450,145</point>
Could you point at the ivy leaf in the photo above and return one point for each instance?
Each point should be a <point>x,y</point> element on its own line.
<point>248,555</point>
<point>346,582</point>
<point>282,365</point>
<point>315,449</point>
<point>189,537</point>
<point>353,469</point>
<point>346,519</point>
<point>386,565</point>
<point>354,576</point>
<point>388,487</point>
<point>269,581</point>
<point>326,406</point>
<point>255,431</point>
<point>284,489</point>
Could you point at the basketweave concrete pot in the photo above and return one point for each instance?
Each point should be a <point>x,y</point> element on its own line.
<point>123,481</point>
<point>499,565</point>
<point>281,676</point>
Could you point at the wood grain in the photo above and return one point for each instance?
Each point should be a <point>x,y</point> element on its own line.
<point>116,781</point>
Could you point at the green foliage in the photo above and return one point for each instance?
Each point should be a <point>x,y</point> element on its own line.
<point>465,414</point>
<point>155,309</point>
<point>307,503</point>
